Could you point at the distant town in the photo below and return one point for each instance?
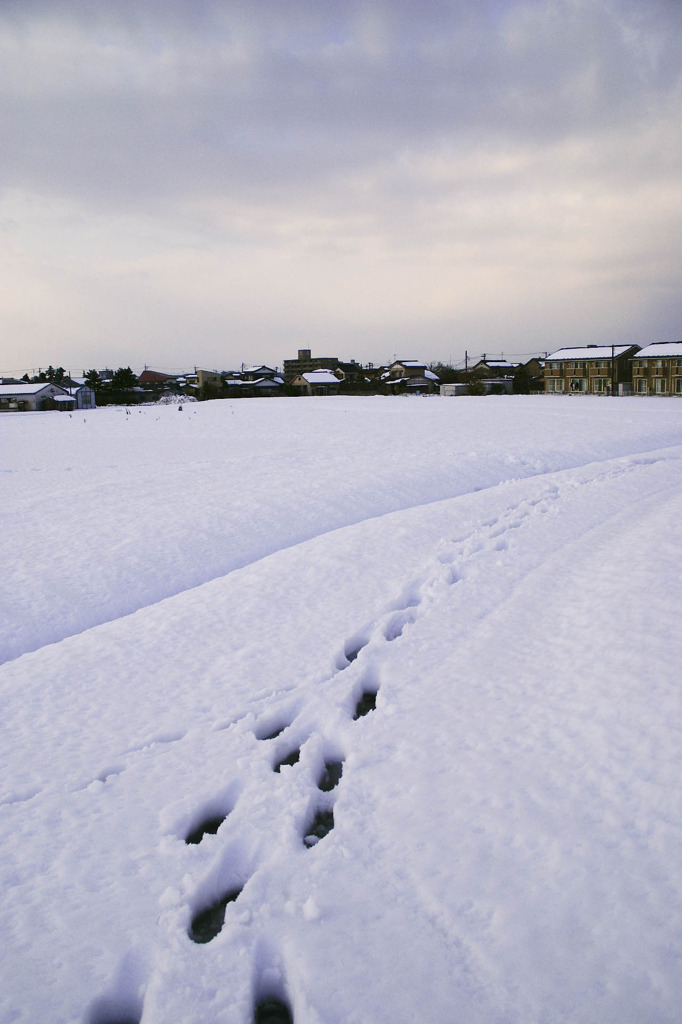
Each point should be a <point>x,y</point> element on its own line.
<point>616,370</point>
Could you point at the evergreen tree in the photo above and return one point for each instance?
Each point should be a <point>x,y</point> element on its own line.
<point>123,379</point>
<point>93,379</point>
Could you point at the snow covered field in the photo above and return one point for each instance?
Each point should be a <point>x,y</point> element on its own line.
<point>461,619</point>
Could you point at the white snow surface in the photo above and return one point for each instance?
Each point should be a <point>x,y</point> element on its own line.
<point>503,573</point>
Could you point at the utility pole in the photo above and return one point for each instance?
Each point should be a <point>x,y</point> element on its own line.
<point>613,371</point>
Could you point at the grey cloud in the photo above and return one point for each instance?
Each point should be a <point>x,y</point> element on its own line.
<point>389,169</point>
<point>140,101</point>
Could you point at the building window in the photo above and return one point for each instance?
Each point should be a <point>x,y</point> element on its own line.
<point>678,385</point>
<point>598,385</point>
<point>641,386</point>
<point>659,385</point>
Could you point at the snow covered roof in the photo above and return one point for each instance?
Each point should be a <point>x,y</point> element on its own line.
<point>24,389</point>
<point>660,350</point>
<point>589,352</point>
<point>411,362</point>
<point>320,377</point>
<point>63,398</point>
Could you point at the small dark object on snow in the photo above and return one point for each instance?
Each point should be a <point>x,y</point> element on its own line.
<point>333,771</point>
<point>272,1011</point>
<point>367,703</point>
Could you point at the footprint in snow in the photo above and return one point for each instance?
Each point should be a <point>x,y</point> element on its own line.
<point>271,732</point>
<point>115,1020</point>
<point>351,650</point>
<point>290,759</point>
<point>396,624</point>
<point>208,827</point>
<point>272,1011</point>
<point>367,702</point>
<point>208,818</point>
<point>331,776</point>
<point>319,827</point>
<point>208,923</point>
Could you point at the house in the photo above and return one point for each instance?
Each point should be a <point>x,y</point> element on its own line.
<point>35,398</point>
<point>255,373</point>
<point>268,387</point>
<point>317,382</point>
<point>351,374</point>
<point>235,387</point>
<point>211,377</point>
<point>657,369</point>
<point>155,380</point>
<point>213,384</point>
<point>533,374</point>
<point>305,363</point>
<point>483,386</point>
<point>589,369</point>
<point>409,376</point>
<point>493,368</point>
<point>535,367</point>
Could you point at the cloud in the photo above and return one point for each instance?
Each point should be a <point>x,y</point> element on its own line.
<point>456,149</point>
<point>116,102</point>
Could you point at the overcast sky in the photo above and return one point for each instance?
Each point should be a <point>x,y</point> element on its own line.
<point>186,182</point>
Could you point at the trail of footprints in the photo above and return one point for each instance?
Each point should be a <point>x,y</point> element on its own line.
<point>208,920</point>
